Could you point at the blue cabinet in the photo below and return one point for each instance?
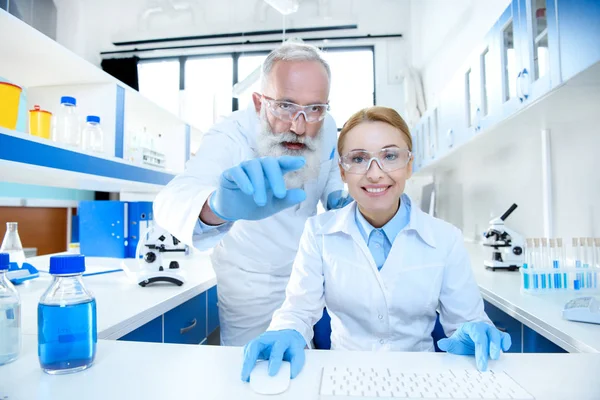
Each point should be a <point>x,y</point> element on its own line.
<point>533,342</point>
<point>212,317</point>
<point>506,323</point>
<point>150,332</point>
<point>186,324</point>
<point>579,27</point>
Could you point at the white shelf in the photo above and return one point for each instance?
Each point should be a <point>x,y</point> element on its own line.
<point>28,159</point>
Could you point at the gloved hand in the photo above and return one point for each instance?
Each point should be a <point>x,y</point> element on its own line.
<point>477,338</point>
<point>255,189</point>
<point>275,346</point>
<point>338,199</point>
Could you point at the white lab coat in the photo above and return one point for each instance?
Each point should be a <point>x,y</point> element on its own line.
<point>427,268</point>
<point>252,259</point>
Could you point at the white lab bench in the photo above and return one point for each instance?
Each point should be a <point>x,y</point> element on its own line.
<point>134,370</point>
<point>542,313</point>
<point>122,305</point>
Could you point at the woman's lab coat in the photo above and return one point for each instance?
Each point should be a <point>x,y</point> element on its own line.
<point>427,268</point>
<point>252,259</point>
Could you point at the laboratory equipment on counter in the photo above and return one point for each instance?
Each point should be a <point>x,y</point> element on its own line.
<point>67,127</point>
<point>583,309</point>
<point>67,329</point>
<point>546,270</point>
<point>149,253</point>
<point>40,122</point>
<point>371,381</point>
<point>12,244</point>
<point>10,96</point>
<point>507,245</point>
<point>92,135</point>
<point>10,316</point>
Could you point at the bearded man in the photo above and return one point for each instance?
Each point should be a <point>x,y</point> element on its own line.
<point>256,178</point>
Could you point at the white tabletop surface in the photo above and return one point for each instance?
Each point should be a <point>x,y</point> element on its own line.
<point>133,370</point>
<point>541,312</point>
<point>122,305</point>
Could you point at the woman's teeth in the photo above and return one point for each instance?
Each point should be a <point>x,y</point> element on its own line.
<point>375,190</point>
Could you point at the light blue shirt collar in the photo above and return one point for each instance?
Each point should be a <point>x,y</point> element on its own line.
<point>392,228</point>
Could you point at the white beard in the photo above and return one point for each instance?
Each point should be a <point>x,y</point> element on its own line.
<point>270,145</point>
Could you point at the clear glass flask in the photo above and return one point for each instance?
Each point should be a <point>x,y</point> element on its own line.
<point>92,135</point>
<point>12,244</point>
<point>10,316</point>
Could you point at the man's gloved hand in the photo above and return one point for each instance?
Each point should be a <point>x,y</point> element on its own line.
<point>255,189</point>
<point>338,199</point>
<point>477,338</point>
<point>275,346</point>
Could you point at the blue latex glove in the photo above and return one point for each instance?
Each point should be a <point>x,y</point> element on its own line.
<point>255,189</point>
<point>479,339</point>
<point>275,346</point>
<point>338,199</point>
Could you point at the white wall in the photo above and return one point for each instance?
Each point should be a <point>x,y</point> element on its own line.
<point>444,33</point>
<point>90,26</point>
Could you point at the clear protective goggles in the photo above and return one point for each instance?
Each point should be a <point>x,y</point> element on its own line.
<point>388,159</point>
<point>289,112</point>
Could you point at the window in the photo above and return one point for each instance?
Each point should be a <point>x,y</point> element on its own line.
<point>509,63</point>
<point>352,82</point>
<point>208,82</point>
<point>159,81</point>
<point>247,64</point>
<point>204,93</point>
<point>485,73</point>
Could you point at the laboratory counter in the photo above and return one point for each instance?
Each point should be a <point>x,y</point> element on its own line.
<point>122,305</point>
<point>540,312</point>
<point>134,370</point>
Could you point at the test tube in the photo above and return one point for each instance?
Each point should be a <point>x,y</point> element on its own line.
<point>535,256</point>
<point>527,263</point>
<point>544,262</point>
<point>577,261</point>
<point>562,263</point>
<point>555,264</point>
<point>591,281</point>
<point>597,252</point>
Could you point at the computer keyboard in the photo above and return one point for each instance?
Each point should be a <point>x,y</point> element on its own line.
<point>375,383</point>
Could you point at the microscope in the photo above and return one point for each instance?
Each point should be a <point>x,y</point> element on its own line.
<point>507,245</point>
<point>149,254</point>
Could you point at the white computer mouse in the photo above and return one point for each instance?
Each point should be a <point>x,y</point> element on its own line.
<point>262,383</point>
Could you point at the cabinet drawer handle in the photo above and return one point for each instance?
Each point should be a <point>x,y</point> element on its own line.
<point>185,330</point>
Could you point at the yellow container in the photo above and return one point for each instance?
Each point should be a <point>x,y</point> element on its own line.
<point>9,105</point>
<point>39,122</point>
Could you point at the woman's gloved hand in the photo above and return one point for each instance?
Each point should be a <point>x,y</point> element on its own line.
<point>338,199</point>
<point>477,338</point>
<point>275,346</point>
<point>255,189</point>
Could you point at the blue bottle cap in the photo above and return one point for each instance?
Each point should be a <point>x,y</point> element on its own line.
<point>93,118</point>
<point>68,100</point>
<point>577,285</point>
<point>4,261</point>
<point>67,264</point>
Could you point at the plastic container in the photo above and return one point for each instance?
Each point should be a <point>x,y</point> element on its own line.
<point>12,244</point>
<point>10,316</point>
<point>10,96</point>
<point>92,135</point>
<point>67,128</point>
<point>67,329</point>
<point>40,122</point>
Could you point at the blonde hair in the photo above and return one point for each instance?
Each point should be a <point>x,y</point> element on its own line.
<point>376,114</point>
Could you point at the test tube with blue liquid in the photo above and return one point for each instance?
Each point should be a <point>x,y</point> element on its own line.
<point>555,264</point>
<point>535,257</point>
<point>578,281</point>
<point>562,263</point>
<point>527,264</point>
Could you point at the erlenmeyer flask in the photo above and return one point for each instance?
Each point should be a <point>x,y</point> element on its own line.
<point>12,244</point>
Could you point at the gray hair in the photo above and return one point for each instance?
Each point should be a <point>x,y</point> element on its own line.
<point>292,51</point>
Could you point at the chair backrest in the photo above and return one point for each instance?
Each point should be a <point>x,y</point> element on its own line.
<point>322,332</point>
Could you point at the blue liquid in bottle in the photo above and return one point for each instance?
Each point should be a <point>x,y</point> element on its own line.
<point>67,328</point>
<point>67,337</point>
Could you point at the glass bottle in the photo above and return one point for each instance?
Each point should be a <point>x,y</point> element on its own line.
<point>10,315</point>
<point>12,244</point>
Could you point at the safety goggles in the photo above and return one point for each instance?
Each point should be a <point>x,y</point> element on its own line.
<point>289,112</point>
<point>388,159</point>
